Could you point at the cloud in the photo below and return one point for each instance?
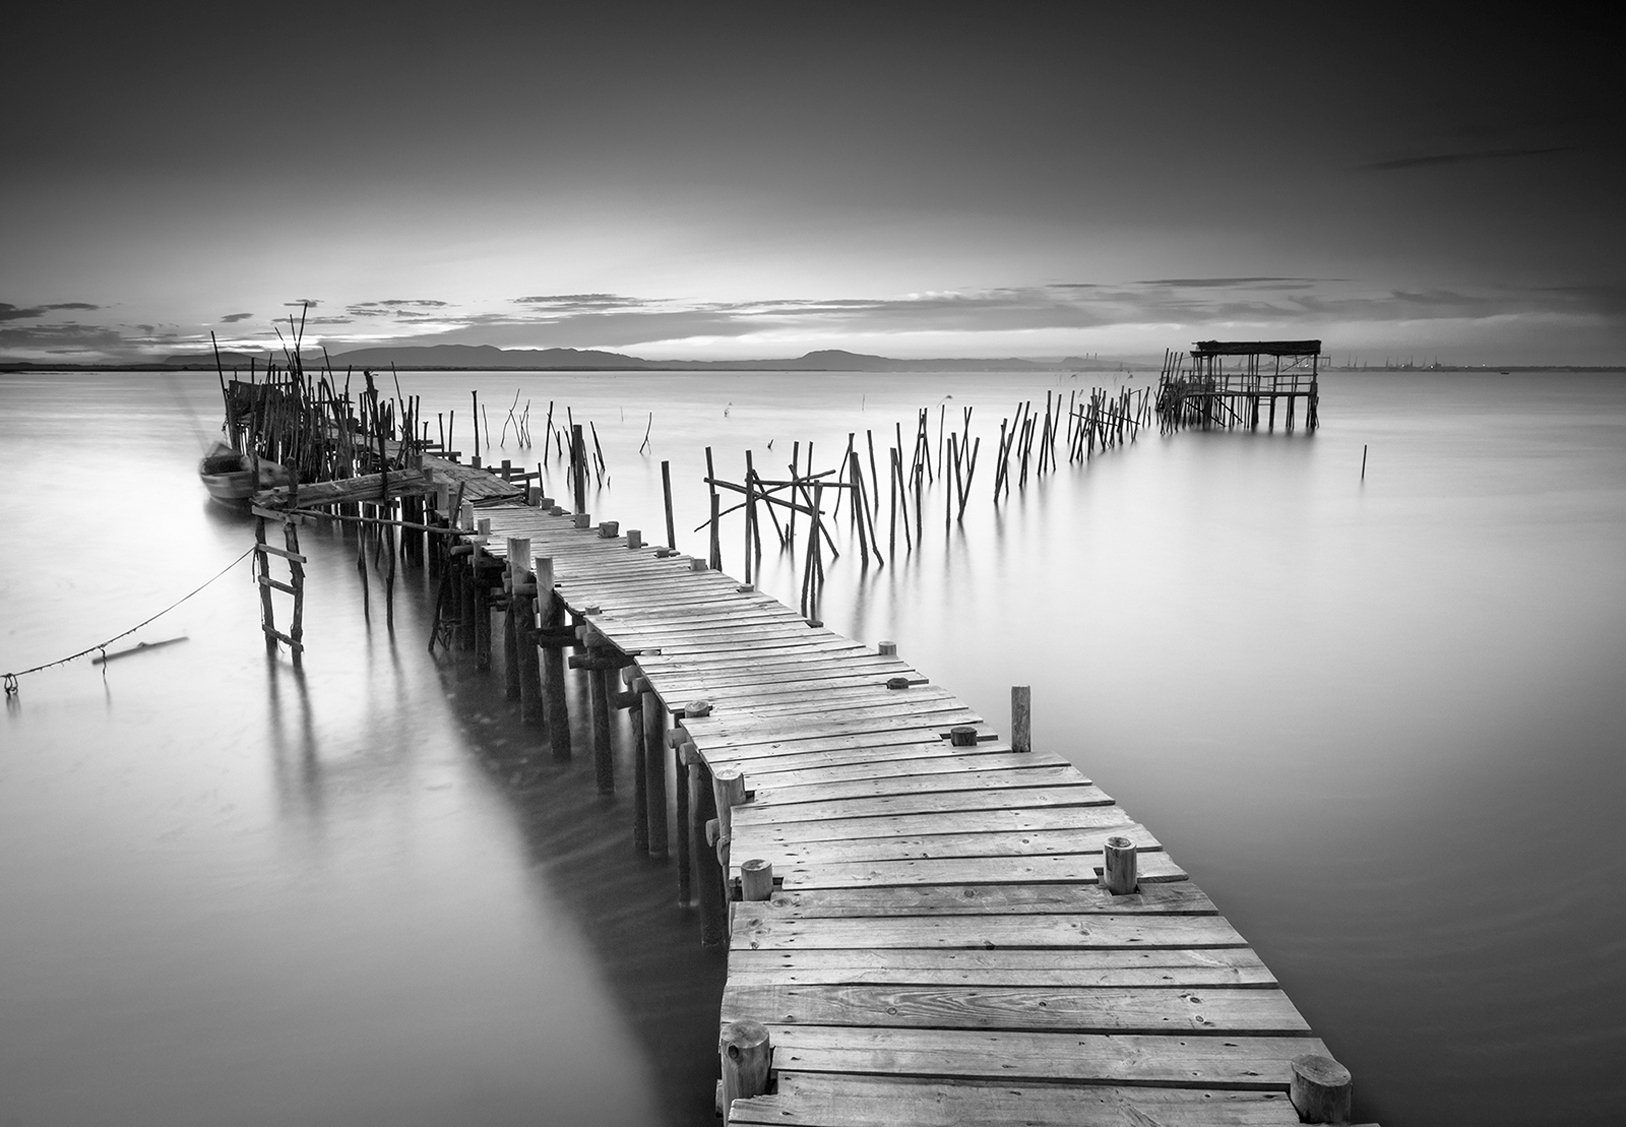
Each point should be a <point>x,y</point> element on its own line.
<point>10,312</point>
<point>233,318</point>
<point>302,302</point>
<point>1466,157</point>
<point>1262,280</point>
<point>65,338</point>
<point>583,302</point>
<point>1285,303</point>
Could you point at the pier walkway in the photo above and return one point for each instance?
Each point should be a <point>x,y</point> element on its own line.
<point>938,947</point>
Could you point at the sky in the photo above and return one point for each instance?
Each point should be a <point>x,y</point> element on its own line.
<point>734,181</point>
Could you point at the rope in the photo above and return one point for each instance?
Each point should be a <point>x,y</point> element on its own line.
<point>10,679</point>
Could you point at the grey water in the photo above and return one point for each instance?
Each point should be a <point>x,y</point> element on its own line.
<point>1379,720</point>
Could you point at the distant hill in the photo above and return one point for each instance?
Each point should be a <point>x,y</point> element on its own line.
<point>485,357</point>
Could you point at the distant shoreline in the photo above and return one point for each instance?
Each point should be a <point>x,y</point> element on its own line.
<point>960,366</point>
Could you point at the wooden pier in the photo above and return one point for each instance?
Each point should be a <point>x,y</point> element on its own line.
<point>925,923</point>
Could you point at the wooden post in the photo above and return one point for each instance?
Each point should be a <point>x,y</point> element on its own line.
<point>1119,871</point>
<point>746,1054</point>
<point>708,875</point>
<point>728,790</point>
<point>963,735</point>
<point>887,649</point>
<point>578,467</point>
<point>268,619</point>
<point>510,644</point>
<point>640,762</point>
<point>554,708</point>
<point>598,691</point>
<point>463,574</point>
<point>479,573</point>
<point>654,720</point>
<point>666,493</point>
<point>685,884</point>
<point>756,879</point>
<point>1321,1089</point>
<point>1021,717</point>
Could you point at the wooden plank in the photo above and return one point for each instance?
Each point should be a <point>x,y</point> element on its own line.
<point>1068,868</point>
<point>818,1100</point>
<point>1060,967</point>
<point>884,779</point>
<point>1017,799</point>
<point>692,662</point>
<point>763,931</point>
<point>806,698</point>
<point>1135,1009</point>
<point>1027,843</point>
<point>725,727</point>
<point>745,681</point>
<point>769,834</point>
<point>1244,1062</point>
<point>743,746</point>
<point>1180,897</point>
<point>785,772</point>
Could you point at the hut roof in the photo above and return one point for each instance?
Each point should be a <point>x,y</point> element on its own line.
<point>1256,348</point>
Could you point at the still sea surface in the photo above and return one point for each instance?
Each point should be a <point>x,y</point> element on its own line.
<point>1381,721</point>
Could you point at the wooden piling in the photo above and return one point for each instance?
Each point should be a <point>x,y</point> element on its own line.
<point>728,791</point>
<point>756,879</point>
<point>708,874</point>
<point>654,719</point>
<point>552,615</point>
<point>640,760</point>
<point>684,831</point>
<point>1119,873</point>
<point>746,1053</point>
<point>599,668</point>
<point>1021,718</point>
<point>1321,1089</point>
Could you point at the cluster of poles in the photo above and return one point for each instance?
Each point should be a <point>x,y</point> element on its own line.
<point>1082,425</point>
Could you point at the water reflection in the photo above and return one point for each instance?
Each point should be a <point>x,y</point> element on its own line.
<point>1376,720</point>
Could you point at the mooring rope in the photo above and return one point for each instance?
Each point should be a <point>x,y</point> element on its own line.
<point>10,679</point>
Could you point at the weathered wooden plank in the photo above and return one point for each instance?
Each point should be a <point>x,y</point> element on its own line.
<point>1136,1009</point>
<point>724,727</point>
<point>1184,967</point>
<point>693,661</point>
<point>816,1100</point>
<point>719,635</point>
<point>1249,1062</point>
<point>1015,799</point>
<point>889,782</point>
<point>1179,897</point>
<point>769,683</point>
<point>1026,843</point>
<point>748,677</point>
<point>1071,868</point>
<point>823,698</point>
<point>769,834</point>
<point>745,746</point>
<point>786,772</point>
<point>761,930</point>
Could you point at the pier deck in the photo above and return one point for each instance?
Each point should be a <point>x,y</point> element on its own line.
<point>941,949</point>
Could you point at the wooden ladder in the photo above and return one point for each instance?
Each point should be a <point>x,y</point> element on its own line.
<point>294,638</point>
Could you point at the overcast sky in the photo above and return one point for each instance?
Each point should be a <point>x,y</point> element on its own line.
<point>758,180</point>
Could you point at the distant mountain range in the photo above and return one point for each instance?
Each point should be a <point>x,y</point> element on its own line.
<point>485,357</point>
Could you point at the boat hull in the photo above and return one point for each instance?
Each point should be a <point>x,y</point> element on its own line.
<point>232,476</point>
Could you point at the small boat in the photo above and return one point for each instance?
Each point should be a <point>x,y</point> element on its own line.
<point>231,475</point>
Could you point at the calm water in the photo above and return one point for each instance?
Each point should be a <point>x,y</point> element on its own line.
<point>1380,723</point>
